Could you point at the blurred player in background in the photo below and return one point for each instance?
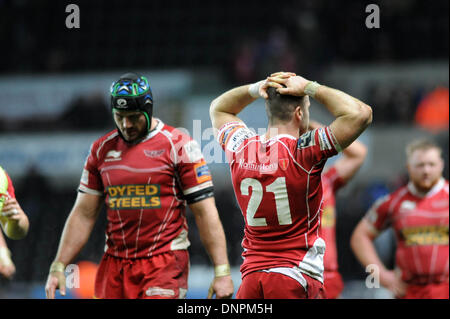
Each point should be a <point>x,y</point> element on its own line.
<point>146,172</point>
<point>333,179</point>
<point>418,213</point>
<point>277,179</point>
<point>13,220</point>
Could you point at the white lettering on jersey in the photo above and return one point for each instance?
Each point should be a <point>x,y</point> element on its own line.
<point>262,168</point>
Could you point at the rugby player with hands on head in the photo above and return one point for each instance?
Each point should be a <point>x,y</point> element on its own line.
<point>277,179</point>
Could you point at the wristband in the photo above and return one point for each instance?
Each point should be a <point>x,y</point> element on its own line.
<point>5,256</point>
<point>222,270</point>
<point>311,88</point>
<point>253,89</point>
<point>57,266</point>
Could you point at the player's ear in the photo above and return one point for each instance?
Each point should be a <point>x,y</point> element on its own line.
<point>298,113</point>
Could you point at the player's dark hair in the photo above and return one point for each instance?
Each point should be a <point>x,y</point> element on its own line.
<point>280,107</point>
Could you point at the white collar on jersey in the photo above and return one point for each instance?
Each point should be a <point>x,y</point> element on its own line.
<point>274,138</point>
<point>155,131</point>
<point>436,188</point>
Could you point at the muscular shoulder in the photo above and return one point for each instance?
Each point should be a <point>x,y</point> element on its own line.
<point>175,134</point>
<point>185,147</point>
<point>101,146</point>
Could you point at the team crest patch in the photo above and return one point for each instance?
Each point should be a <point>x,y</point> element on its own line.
<point>283,163</point>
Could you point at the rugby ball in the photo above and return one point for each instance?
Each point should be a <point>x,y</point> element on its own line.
<point>3,187</point>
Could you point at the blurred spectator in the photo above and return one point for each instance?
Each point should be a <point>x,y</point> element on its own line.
<point>432,112</point>
<point>275,54</point>
<point>244,62</point>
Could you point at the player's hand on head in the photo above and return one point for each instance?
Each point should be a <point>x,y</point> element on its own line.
<point>290,85</point>
<point>283,74</point>
<point>268,83</point>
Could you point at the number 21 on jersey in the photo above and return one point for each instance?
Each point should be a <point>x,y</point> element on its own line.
<point>278,188</point>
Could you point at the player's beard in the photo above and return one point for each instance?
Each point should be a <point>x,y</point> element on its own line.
<point>425,183</point>
<point>132,136</point>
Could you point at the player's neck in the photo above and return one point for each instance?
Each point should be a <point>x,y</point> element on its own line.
<point>279,129</point>
<point>154,124</point>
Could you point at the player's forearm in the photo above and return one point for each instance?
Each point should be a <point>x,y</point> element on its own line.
<point>75,235</point>
<point>213,238</point>
<point>351,115</point>
<point>364,249</point>
<point>211,230</point>
<point>231,102</point>
<point>339,103</point>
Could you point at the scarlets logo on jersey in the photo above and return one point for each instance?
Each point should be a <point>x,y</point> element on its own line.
<point>425,235</point>
<point>134,196</point>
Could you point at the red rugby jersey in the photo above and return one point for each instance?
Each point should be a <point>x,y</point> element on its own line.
<point>277,183</point>
<point>421,227</point>
<point>331,183</point>
<point>146,187</point>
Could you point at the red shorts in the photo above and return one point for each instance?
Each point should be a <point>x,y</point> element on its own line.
<point>428,291</point>
<point>275,285</point>
<point>332,285</point>
<point>163,276</point>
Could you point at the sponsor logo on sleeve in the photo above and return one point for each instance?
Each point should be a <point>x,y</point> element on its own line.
<point>225,134</point>
<point>324,142</point>
<point>202,172</point>
<point>141,196</point>
<point>237,138</point>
